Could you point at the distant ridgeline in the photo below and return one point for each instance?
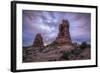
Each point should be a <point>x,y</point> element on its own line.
<point>60,49</point>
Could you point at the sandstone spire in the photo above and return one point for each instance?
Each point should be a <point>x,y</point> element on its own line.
<point>38,41</point>
<point>64,34</point>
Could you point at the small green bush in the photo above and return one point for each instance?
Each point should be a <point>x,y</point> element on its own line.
<point>83,45</point>
<point>65,55</point>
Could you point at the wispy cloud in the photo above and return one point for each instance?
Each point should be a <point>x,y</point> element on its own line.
<point>47,23</point>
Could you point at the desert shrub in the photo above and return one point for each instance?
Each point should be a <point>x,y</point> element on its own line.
<point>65,55</point>
<point>83,45</point>
<point>81,56</point>
<point>72,51</point>
<point>75,45</point>
<point>77,52</point>
<point>88,46</point>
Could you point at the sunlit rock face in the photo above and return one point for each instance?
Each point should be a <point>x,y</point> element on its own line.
<point>38,42</point>
<point>63,37</point>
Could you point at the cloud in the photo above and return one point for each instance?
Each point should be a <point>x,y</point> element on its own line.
<point>47,23</point>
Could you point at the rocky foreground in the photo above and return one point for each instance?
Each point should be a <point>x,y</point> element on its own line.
<point>55,53</point>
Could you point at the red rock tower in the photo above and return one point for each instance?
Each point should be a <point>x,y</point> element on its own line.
<point>64,34</point>
<point>38,41</point>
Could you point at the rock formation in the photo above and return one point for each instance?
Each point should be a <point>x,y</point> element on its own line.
<point>64,34</point>
<point>38,42</point>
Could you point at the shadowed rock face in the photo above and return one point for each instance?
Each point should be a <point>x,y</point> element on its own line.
<point>38,42</point>
<point>64,34</point>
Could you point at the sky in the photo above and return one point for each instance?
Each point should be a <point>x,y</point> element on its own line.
<point>47,23</point>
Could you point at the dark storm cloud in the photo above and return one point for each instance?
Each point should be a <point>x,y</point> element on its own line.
<point>47,23</point>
